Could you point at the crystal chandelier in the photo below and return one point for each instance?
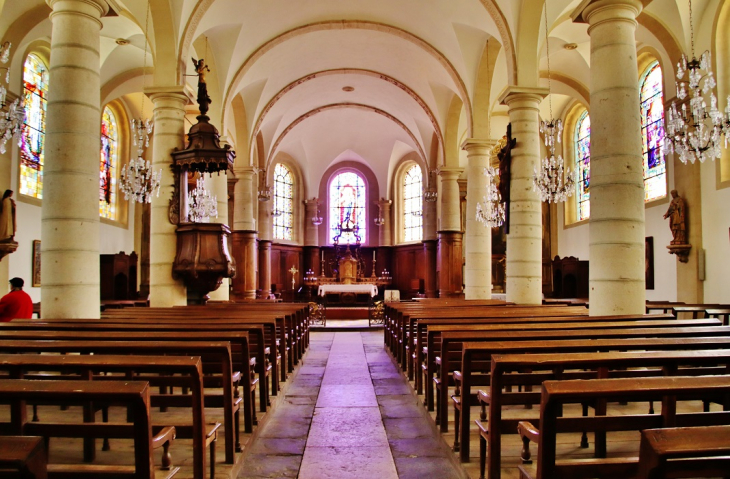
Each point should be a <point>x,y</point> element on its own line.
<point>379,220</point>
<point>491,211</point>
<point>201,206</point>
<point>138,181</point>
<point>11,121</point>
<point>695,134</point>
<point>317,219</point>
<point>552,181</point>
<point>430,194</point>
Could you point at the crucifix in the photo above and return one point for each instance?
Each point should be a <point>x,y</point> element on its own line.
<point>293,272</point>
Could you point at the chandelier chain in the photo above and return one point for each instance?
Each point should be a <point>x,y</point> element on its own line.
<point>691,31</point>
<point>547,54</point>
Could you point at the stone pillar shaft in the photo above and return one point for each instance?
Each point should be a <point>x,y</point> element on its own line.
<point>245,234</point>
<point>450,206</point>
<point>385,234</point>
<point>70,212</point>
<point>265,267</point>
<point>617,274</point>
<point>169,131</point>
<point>478,237</point>
<point>524,242</point>
<point>311,231</point>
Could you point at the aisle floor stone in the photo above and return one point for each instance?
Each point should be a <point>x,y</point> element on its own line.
<point>348,413</point>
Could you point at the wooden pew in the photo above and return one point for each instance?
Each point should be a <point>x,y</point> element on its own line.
<point>23,457</point>
<point>720,313</point>
<point>452,341</point>
<point>216,356</point>
<point>694,311</point>
<point>190,369</point>
<point>667,390</point>
<point>478,353</point>
<point>685,452</point>
<point>562,366</point>
<point>133,394</point>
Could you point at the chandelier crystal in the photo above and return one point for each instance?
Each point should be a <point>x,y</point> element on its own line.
<point>138,181</point>
<point>491,210</point>
<point>551,180</point>
<point>694,133</point>
<point>430,195</point>
<point>201,205</point>
<point>11,121</point>
<point>317,219</point>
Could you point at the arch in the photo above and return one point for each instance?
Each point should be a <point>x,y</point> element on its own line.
<point>35,95</point>
<point>163,53</point>
<point>721,56</point>
<point>343,71</point>
<point>483,89</point>
<point>349,25</point>
<point>505,35</point>
<point>371,184</point>
<point>651,99</point>
<point>321,109</point>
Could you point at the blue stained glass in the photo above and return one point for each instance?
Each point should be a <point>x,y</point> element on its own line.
<point>583,164</point>
<point>107,165</point>
<point>347,199</point>
<point>283,202</point>
<point>413,204</point>
<point>652,133</point>
<point>33,135</point>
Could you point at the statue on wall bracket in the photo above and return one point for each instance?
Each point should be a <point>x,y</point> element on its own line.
<point>677,214</point>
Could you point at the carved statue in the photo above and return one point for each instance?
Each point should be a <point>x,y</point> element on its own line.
<point>203,98</point>
<point>7,218</point>
<point>677,222</point>
<point>505,163</point>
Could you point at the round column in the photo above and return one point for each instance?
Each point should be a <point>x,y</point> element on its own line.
<point>70,212</point>
<point>449,254</point>
<point>385,231</point>
<point>311,231</point>
<point>265,236</point>
<point>450,213</point>
<point>524,241</point>
<point>168,134</point>
<point>430,243</point>
<point>617,176</point>
<point>245,234</point>
<point>478,237</point>
<point>217,184</point>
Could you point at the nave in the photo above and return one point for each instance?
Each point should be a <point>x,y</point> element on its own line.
<point>348,413</point>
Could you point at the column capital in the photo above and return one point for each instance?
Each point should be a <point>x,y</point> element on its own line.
<point>245,171</point>
<point>312,202</point>
<point>477,146</point>
<point>174,92</point>
<point>521,93</point>
<point>384,203</point>
<point>584,11</point>
<point>82,7</point>
<point>449,173</point>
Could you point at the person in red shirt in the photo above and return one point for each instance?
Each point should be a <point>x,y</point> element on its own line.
<point>17,303</point>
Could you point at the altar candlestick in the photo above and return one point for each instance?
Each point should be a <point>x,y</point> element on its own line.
<point>373,255</point>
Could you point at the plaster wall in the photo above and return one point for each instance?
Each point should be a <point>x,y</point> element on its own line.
<point>715,235</point>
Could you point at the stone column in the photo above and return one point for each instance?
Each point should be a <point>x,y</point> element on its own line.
<point>217,184</point>
<point>449,255</point>
<point>245,234</point>
<point>385,232</point>
<point>266,224</point>
<point>169,119</point>
<point>617,281</point>
<point>70,212</point>
<point>311,231</point>
<point>430,243</point>
<point>478,237</point>
<point>524,241</point>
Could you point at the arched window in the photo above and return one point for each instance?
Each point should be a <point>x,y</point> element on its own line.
<point>583,165</point>
<point>283,202</point>
<point>347,207</point>
<point>652,133</point>
<point>108,165</point>
<point>35,93</point>
<point>413,204</point>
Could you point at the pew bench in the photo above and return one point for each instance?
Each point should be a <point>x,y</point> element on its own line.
<point>134,395</point>
<point>557,394</point>
<point>509,370</point>
<point>23,457</point>
<point>685,452</point>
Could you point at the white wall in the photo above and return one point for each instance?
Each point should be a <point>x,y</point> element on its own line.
<point>715,236</point>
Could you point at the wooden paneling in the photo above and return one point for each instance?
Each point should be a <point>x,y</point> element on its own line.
<point>408,269</point>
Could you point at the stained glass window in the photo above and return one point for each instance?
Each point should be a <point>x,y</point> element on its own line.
<point>35,94</point>
<point>652,133</point>
<point>413,204</point>
<point>583,165</point>
<point>347,207</point>
<point>108,166</point>
<point>283,202</point>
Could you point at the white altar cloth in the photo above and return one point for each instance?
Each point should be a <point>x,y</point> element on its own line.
<point>371,289</point>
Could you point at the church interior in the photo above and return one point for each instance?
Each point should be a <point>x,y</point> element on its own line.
<point>533,170</point>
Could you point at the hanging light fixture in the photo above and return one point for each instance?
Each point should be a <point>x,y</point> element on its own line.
<point>11,121</point>
<point>265,191</point>
<point>430,194</point>
<point>552,180</point>
<point>317,219</point>
<point>201,205</point>
<point>138,181</point>
<point>491,210</point>
<point>379,220</point>
<point>695,134</point>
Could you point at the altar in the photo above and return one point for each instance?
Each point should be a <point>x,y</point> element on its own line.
<point>325,289</point>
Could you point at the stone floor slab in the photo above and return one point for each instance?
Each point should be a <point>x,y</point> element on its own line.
<point>260,466</point>
<point>420,467</point>
<point>348,462</point>
<point>347,396</point>
<point>352,426</point>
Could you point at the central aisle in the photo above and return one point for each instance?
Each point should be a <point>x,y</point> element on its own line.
<point>348,414</point>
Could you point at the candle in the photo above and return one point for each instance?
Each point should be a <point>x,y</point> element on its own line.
<point>322,255</point>
<point>373,255</point>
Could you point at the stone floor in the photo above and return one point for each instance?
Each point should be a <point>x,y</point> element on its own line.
<point>349,413</point>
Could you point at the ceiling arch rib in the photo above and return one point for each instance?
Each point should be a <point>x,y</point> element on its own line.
<point>335,106</point>
<point>341,25</point>
<point>344,71</point>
